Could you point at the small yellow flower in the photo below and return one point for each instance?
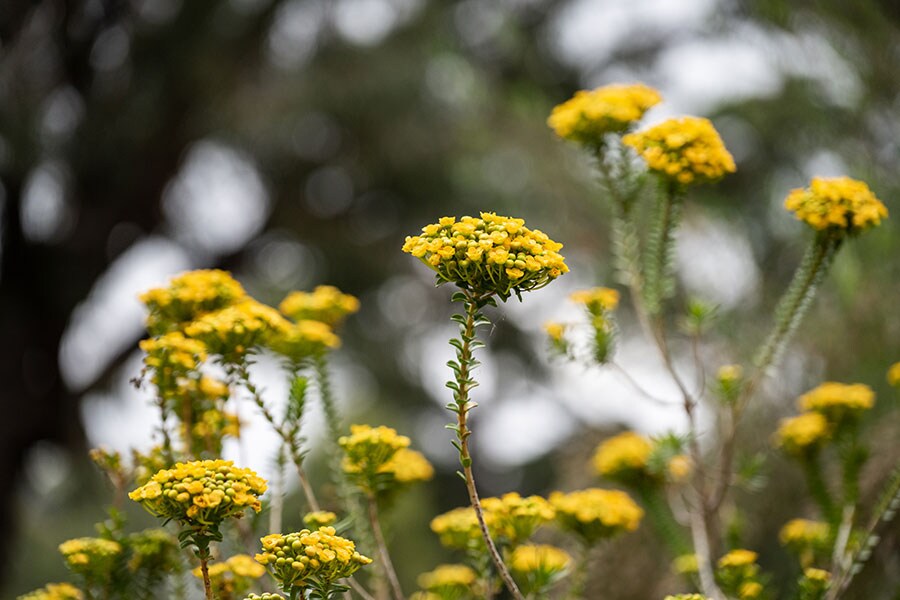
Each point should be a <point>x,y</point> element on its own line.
<point>814,574</point>
<point>802,433</point>
<point>838,400</point>
<point>893,375</point>
<point>408,466</point>
<point>459,578</point>
<point>686,564</point>
<point>555,331</point>
<point>187,297</point>
<point>597,300</point>
<point>54,591</point>
<point>750,589</point>
<point>730,373</point>
<point>459,527</point>
<point>737,558</point>
<point>802,533</point>
<point>623,456</point>
<point>325,304</point>
<point>838,204</point>
<point>686,150</point>
<point>319,518</point>
<point>589,115</point>
<point>679,467</point>
<point>594,514</point>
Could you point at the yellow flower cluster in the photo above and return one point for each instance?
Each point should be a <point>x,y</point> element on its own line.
<point>302,339</point>
<point>597,300</point>
<point>623,456</point>
<point>447,579</point>
<point>686,564</point>
<point>533,557</point>
<point>893,375</point>
<point>325,304</point>
<point>305,557</point>
<point>685,150</point>
<point>750,589</point>
<point>458,528</point>
<point>814,574</point>
<point>687,597</point>
<point>234,576</point>
<point>555,331</point>
<point>803,533</point>
<point>90,555</point>
<point>235,329</point>
<point>514,518</point>
<point>589,115</point>
<point>319,518</point>
<point>367,449</point>
<point>408,466</point>
<point>836,399</point>
<point>838,204</point>
<point>201,492</point>
<point>595,514</point>
<point>737,558</point>
<point>173,354</point>
<point>797,435</point>
<point>188,296</point>
<point>488,255</point>
<point>54,591</point>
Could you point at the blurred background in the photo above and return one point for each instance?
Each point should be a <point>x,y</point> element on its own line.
<point>297,142</point>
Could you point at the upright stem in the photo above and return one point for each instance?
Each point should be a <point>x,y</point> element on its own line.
<point>389,571</point>
<point>462,408</point>
<point>579,575</point>
<point>204,569</point>
<point>658,268</point>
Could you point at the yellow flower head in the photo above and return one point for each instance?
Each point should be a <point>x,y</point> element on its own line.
<point>797,435</point>
<point>234,330</point>
<point>187,297</point>
<point>802,534</point>
<point>448,580</point>
<point>367,449</point>
<point>838,400</point>
<point>92,557</point>
<point>54,591</point>
<point>750,589</point>
<point>325,304</point>
<point>320,555</point>
<point>172,355</point>
<point>319,518</point>
<point>679,467</point>
<point>531,558</point>
<point>686,150</point>
<point>893,375</point>
<point>514,518</point>
<point>838,204</point>
<point>589,115</point>
<point>488,255</point>
<point>201,493</point>
<point>408,466</point>
<point>687,597</point>
<point>730,373</point>
<point>737,558</point>
<point>814,574</point>
<point>595,514</point>
<point>234,576</point>
<point>623,456</point>
<point>598,300</point>
<point>686,564</point>
<point>459,527</point>
<point>555,330</point>
<point>303,339</point>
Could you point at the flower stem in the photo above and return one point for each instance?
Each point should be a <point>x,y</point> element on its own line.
<point>579,574</point>
<point>388,566</point>
<point>466,363</point>
<point>203,554</point>
<point>657,271</point>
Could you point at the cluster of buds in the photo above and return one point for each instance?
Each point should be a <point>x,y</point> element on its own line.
<point>738,574</point>
<point>595,514</point>
<point>590,115</point>
<point>368,452</point>
<point>633,459</point>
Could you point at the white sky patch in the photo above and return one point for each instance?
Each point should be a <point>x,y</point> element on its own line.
<point>217,202</point>
<point>369,22</point>
<point>715,262</point>
<point>523,427</point>
<point>111,317</point>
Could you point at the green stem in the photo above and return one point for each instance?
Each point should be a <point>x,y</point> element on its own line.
<point>819,490</point>
<point>658,269</point>
<point>462,406</point>
<point>386,563</point>
<point>579,575</point>
<point>203,554</point>
<point>664,521</point>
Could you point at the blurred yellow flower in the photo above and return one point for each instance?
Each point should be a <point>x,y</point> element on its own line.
<point>589,115</point>
<point>838,204</point>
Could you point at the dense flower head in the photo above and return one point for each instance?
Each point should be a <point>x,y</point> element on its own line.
<point>173,354</point>
<point>233,576</point>
<point>300,340</point>
<point>367,449</point>
<point>188,296</point>
<point>448,580</point>
<point>595,514</point>
<point>737,558</point>
<point>685,150</point>
<point>488,255</point>
<point>54,591</point>
<point>838,204</point>
<point>325,304</point>
<point>201,492</point>
<point>837,400</point>
<point>408,466</point>
<point>589,115</point>
<point>623,456</point>
<point>319,518</point>
<point>797,435</point>
<point>235,329</point>
<point>538,557</point>
<point>90,556</point>
<point>801,534</point>
<point>893,375</point>
<point>597,300</point>
<point>514,518</point>
<point>458,528</point>
<point>310,557</point>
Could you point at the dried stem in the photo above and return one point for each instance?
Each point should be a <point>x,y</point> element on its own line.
<point>386,563</point>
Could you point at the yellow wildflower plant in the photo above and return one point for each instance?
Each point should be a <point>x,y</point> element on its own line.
<point>594,514</point>
<point>408,466</point>
<point>598,300</point>
<point>233,576</point>
<point>736,573</point>
<point>837,401</point>
<point>233,331</point>
<point>201,493</point>
<point>367,449</point>
<point>514,519</point>
<point>319,518</point>
<point>686,564</point>
<point>449,581</point>
<point>172,355</point>
<point>893,375</point>
<point>837,204</point>
<point>806,538</point>
<point>589,115</point>
<point>488,255</point>
<point>325,304</point>
<point>750,589</point>
<point>803,433</point>
<point>623,457</point>
<point>685,150</point>
<point>298,341</point>
<point>458,528</point>
<point>153,550</point>
<point>737,559</point>
<point>54,591</point>
<point>188,296</point>
<point>92,558</point>
<point>310,559</point>
<point>537,566</point>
